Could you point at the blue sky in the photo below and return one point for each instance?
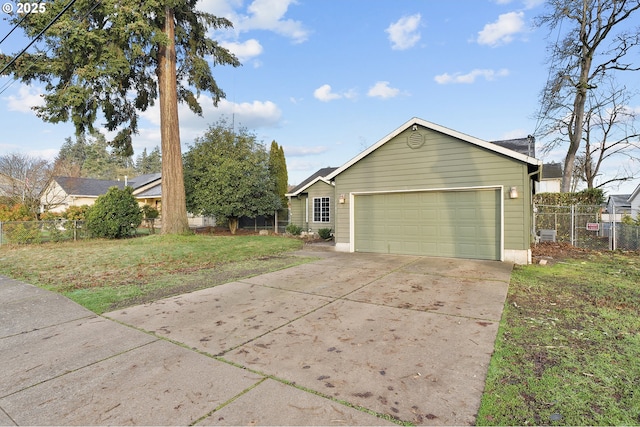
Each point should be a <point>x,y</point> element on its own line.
<point>326,79</point>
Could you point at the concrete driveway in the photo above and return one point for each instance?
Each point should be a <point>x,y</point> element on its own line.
<point>339,341</point>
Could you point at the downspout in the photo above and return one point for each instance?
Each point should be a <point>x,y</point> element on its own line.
<point>533,219</point>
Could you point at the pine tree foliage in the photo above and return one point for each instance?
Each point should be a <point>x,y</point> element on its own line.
<point>278,170</point>
<point>114,58</point>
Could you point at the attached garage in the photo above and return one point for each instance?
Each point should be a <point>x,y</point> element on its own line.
<point>463,223</point>
<point>429,190</point>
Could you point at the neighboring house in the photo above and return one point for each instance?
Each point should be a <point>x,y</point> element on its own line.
<point>8,185</point>
<point>425,190</point>
<point>618,206</point>
<point>634,201</point>
<point>551,180</point>
<point>64,191</point>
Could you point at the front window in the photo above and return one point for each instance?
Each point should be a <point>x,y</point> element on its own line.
<point>321,209</point>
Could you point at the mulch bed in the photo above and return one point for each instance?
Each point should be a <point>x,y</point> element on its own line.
<point>557,251</point>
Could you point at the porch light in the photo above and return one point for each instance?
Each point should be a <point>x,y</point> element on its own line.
<point>341,199</point>
<point>513,193</point>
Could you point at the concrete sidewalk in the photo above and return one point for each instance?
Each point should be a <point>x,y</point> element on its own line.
<point>350,339</point>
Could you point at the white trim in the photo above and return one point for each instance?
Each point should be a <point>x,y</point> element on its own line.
<point>416,121</point>
<point>352,215</point>
<point>314,209</point>
<point>309,184</point>
<point>635,193</point>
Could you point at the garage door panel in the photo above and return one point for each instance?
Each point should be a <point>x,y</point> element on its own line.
<point>442,223</point>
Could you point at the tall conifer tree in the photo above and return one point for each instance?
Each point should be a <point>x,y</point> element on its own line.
<point>115,57</point>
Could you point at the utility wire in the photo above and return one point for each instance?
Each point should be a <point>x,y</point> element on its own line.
<point>14,27</point>
<point>49,25</point>
<point>11,82</point>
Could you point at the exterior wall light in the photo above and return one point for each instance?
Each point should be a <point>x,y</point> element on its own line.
<point>341,199</point>
<point>513,193</point>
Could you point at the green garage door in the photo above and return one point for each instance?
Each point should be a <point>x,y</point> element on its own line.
<point>457,224</point>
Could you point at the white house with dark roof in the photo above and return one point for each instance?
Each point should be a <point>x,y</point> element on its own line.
<point>64,191</point>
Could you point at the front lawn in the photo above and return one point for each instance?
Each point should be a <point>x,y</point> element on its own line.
<point>568,347</point>
<point>106,274</point>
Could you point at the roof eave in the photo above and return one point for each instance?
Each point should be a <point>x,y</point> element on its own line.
<point>464,137</point>
<point>301,190</point>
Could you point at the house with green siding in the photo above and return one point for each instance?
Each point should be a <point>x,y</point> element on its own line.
<point>426,190</point>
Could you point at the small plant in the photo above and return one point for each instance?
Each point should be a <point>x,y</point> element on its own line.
<point>293,229</point>
<point>325,233</point>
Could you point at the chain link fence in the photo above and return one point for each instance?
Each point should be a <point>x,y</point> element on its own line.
<point>26,232</point>
<point>583,226</point>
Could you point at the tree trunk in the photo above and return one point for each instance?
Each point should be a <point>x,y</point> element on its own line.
<point>233,224</point>
<point>174,211</point>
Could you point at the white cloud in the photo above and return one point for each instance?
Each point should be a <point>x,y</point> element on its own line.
<point>28,97</point>
<point>471,77</point>
<point>530,4</point>
<point>244,51</point>
<point>382,90</point>
<point>503,30</point>
<point>304,151</point>
<point>252,115</point>
<point>404,33</point>
<point>324,93</point>
<point>270,15</point>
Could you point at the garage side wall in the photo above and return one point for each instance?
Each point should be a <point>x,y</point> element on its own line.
<point>426,159</point>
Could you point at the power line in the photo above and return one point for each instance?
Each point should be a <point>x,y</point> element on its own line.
<point>14,27</point>
<point>49,25</point>
<point>80,18</point>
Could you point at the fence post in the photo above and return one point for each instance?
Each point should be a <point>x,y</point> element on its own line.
<point>75,230</point>
<point>572,212</point>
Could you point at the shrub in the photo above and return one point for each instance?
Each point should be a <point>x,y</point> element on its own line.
<point>76,213</point>
<point>115,214</point>
<point>293,229</point>
<point>22,232</point>
<point>325,233</point>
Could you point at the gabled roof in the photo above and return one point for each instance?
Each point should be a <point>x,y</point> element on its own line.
<point>635,194</point>
<point>419,122</point>
<point>552,170</point>
<point>619,201</point>
<point>96,187</point>
<point>142,180</point>
<point>319,175</point>
<point>526,146</point>
<point>86,186</point>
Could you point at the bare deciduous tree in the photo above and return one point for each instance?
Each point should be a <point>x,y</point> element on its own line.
<point>24,178</point>
<point>609,135</point>
<point>596,44</point>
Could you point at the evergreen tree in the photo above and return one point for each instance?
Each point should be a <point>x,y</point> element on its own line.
<point>115,57</point>
<point>149,162</point>
<point>227,176</point>
<point>278,171</point>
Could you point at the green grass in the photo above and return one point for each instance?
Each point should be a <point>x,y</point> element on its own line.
<point>568,347</point>
<point>106,274</point>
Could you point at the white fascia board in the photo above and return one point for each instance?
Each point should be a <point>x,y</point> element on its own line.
<point>318,178</point>
<point>635,194</point>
